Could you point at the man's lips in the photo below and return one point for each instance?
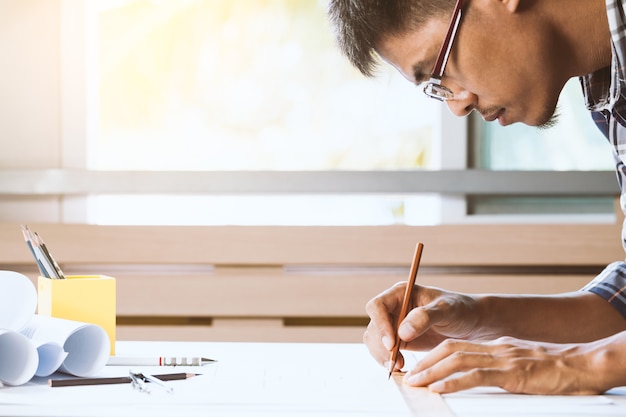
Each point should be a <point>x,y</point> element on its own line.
<point>493,116</point>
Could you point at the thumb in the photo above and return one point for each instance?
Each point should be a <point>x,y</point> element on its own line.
<point>421,319</point>
<point>414,324</point>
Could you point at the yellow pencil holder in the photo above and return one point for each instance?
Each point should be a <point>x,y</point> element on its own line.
<point>83,298</point>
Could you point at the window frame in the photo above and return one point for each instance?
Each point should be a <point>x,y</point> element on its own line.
<point>452,179</point>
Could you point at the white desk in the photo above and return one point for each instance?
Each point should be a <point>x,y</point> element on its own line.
<point>264,379</point>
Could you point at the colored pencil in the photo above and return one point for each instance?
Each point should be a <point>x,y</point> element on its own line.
<point>72,382</point>
<point>408,296</point>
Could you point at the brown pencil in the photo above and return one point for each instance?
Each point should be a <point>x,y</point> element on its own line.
<point>113,380</point>
<point>408,296</point>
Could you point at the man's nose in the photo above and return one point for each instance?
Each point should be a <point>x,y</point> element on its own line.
<point>462,103</point>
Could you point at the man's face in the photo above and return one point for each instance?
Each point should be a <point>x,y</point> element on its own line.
<point>498,66</point>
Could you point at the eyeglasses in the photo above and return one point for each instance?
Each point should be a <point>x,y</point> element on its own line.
<point>434,88</point>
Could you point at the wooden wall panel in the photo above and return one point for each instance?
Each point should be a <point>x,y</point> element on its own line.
<point>303,283</point>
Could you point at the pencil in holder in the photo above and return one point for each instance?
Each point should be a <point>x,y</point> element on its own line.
<point>83,298</point>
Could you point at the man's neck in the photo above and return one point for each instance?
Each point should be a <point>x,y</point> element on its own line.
<point>583,26</point>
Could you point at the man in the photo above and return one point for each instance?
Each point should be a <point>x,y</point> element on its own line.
<point>507,60</point>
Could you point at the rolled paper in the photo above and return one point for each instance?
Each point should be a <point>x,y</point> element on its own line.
<point>18,358</point>
<point>18,300</point>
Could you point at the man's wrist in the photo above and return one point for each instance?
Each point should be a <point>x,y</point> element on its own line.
<point>606,358</point>
<point>488,317</point>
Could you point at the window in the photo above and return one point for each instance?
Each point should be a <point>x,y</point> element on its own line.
<point>252,85</point>
<point>244,85</point>
<point>210,112</point>
<point>574,144</point>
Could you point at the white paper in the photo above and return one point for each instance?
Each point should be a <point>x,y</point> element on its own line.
<point>277,380</point>
<point>18,358</point>
<point>33,345</point>
<point>248,380</point>
<point>87,345</point>
<point>18,300</point>
<point>487,401</point>
<point>51,357</point>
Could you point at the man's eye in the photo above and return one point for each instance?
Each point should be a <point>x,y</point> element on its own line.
<point>420,78</point>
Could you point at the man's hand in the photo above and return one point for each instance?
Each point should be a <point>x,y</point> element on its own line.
<point>582,348</point>
<point>518,366</point>
<point>436,316</point>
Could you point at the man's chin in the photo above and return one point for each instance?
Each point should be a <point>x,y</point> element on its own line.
<point>549,121</point>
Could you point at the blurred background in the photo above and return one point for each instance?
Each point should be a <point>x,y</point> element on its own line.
<point>254,86</point>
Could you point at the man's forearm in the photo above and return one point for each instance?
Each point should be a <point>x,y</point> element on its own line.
<point>562,318</point>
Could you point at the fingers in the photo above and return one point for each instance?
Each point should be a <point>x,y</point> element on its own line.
<point>471,379</point>
<point>380,310</point>
<point>515,365</point>
<point>464,370</point>
<point>436,316</point>
<point>445,350</point>
<point>474,361</point>
<point>380,334</point>
<point>377,349</point>
<point>415,323</point>
<point>440,316</point>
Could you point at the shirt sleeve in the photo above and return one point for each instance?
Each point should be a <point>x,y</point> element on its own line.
<point>610,284</point>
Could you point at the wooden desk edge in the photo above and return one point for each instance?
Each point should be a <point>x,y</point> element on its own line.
<point>421,401</point>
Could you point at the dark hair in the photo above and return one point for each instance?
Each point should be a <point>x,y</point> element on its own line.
<point>360,25</point>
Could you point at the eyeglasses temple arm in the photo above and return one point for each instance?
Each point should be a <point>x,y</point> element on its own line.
<point>446,46</point>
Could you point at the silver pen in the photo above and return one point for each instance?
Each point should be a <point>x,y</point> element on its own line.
<point>158,361</point>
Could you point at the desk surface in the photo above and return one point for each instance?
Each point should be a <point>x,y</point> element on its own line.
<point>267,379</point>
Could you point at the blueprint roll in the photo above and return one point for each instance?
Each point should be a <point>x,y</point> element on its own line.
<point>18,358</point>
<point>86,345</point>
<point>18,300</point>
<point>87,350</point>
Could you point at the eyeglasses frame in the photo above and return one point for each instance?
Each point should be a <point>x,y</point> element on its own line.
<point>434,89</point>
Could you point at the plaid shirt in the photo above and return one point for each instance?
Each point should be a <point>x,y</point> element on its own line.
<point>607,102</point>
